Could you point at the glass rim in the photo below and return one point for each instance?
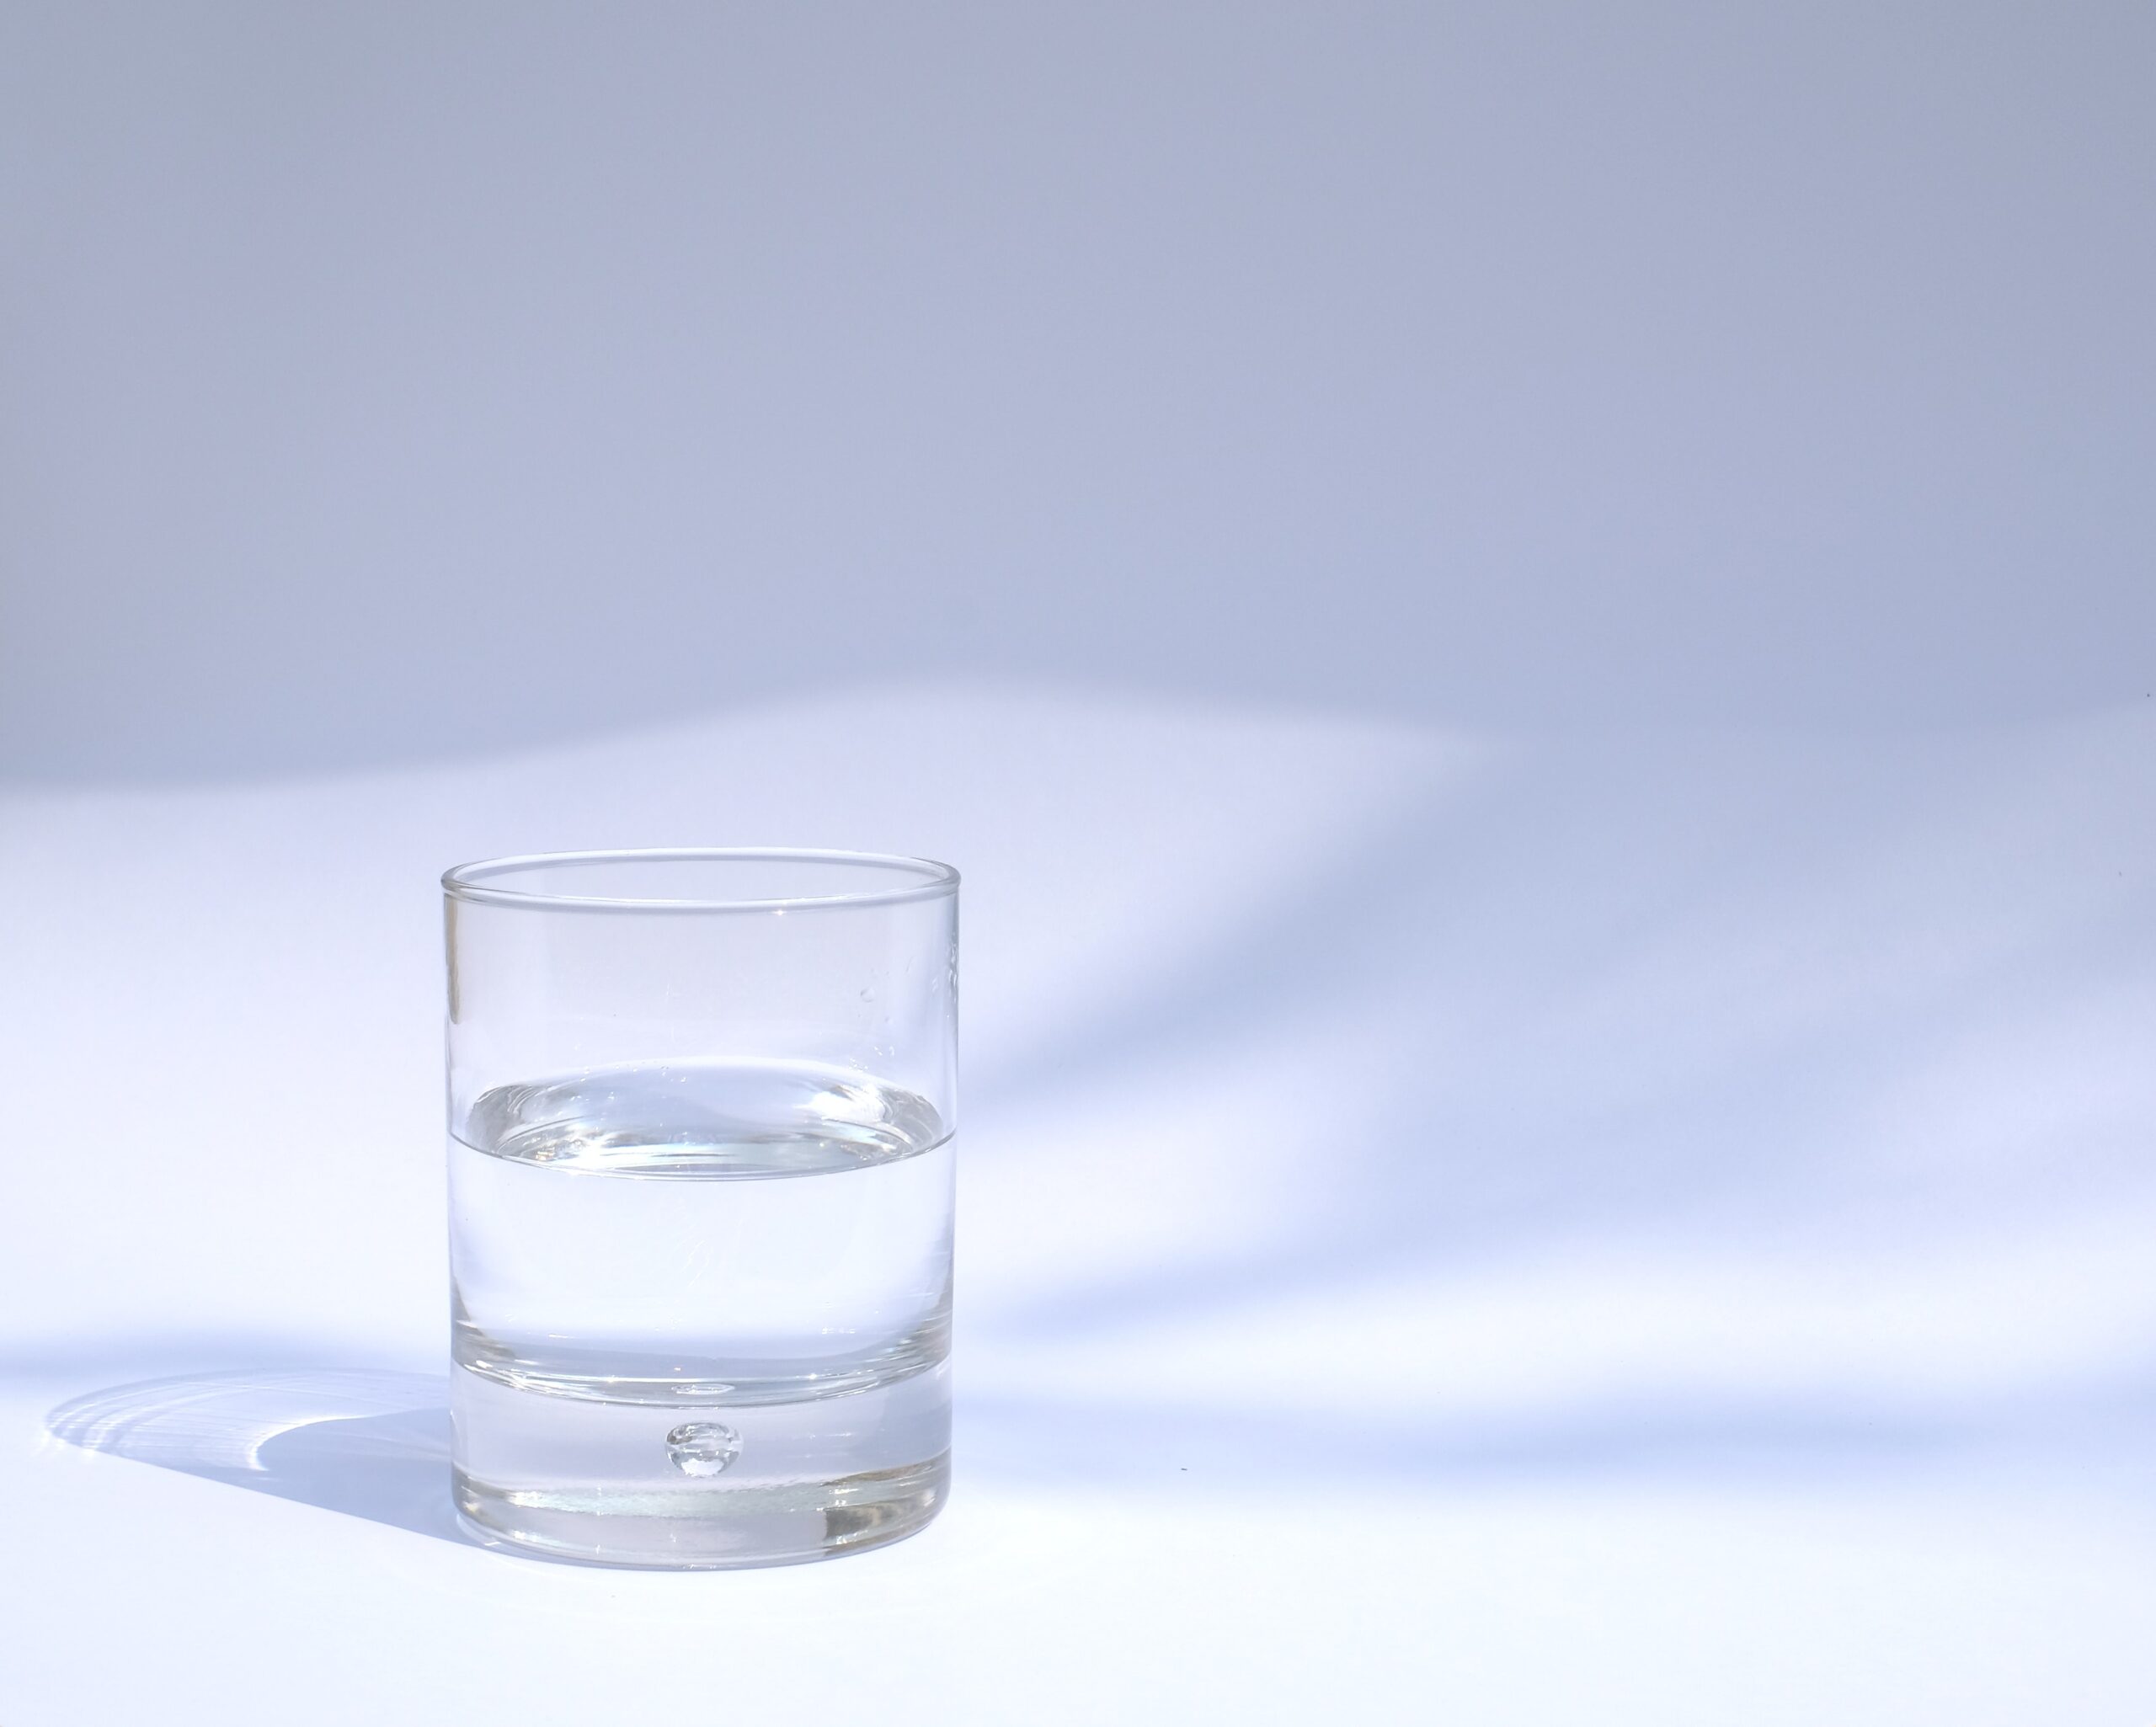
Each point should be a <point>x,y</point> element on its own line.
<point>468,883</point>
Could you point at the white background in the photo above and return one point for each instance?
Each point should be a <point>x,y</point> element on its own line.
<point>1531,629</point>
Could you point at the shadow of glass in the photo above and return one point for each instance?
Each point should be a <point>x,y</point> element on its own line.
<point>367,1444</point>
<point>1666,993</point>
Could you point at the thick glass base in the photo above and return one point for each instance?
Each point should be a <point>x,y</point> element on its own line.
<point>699,1488</point>
<point>706,1532</point>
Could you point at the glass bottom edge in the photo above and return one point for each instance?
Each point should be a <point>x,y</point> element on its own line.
<point>708,1529</point>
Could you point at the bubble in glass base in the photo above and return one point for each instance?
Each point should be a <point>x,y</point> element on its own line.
<point>702,1448</point>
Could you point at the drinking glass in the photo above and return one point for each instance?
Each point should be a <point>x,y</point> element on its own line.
<point>701,1108</point>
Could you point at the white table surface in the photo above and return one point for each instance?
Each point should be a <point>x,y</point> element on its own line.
<point>1646,1229</point>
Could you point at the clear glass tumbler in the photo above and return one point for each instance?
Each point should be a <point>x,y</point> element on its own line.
<point>700,1106</point>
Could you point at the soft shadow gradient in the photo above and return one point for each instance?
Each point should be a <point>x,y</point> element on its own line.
<point>1517,364</point>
